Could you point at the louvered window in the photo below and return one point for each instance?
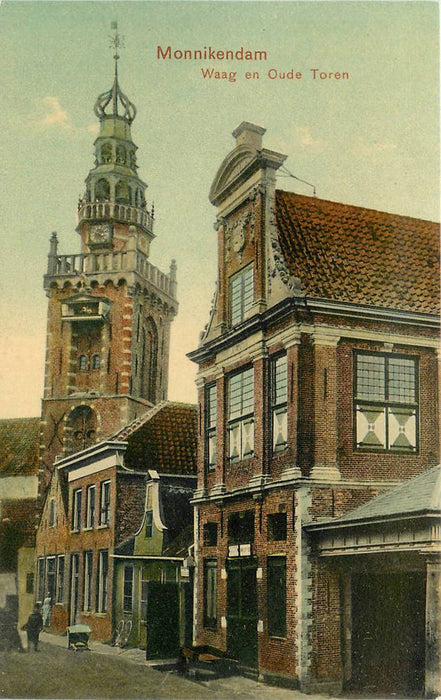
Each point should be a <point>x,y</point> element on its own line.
<point>241,415</point>
<point>385,403</point>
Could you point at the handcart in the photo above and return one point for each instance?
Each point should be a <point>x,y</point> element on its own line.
<point>78,637</point>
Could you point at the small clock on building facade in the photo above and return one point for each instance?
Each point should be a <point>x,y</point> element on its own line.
<point>100,234</point>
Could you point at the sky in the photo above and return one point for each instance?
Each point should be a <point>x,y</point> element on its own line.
<point>371,139</point>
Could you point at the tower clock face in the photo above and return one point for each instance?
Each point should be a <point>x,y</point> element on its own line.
<point>100,233</point>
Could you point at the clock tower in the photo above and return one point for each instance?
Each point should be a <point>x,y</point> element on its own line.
<point>109,308</point>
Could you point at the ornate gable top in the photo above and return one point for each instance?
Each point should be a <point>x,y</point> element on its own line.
<point>246,157</point>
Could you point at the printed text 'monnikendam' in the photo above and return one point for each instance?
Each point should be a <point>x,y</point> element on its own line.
<point>209,53</point>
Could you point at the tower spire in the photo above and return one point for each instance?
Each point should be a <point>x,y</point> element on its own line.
<point>116,42</point>
<point>115,96</point>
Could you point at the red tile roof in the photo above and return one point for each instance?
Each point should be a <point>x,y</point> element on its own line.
<point>164,439</point>
<point>19,446</point>
<point>352,254</point>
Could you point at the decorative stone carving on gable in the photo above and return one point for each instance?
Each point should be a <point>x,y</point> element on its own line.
<point>238,233</point>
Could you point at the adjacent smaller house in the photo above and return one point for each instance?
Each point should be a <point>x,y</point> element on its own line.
<point>154,584</point>
<point>19,441</point>
<point>97,501</point>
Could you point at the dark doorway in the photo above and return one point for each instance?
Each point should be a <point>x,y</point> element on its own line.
<point>242,612</point>
<point>388,622</point>
<point>162,620</point>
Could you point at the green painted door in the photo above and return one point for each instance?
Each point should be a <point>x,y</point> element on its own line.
<point>162,620</point>
<point>242,612</point>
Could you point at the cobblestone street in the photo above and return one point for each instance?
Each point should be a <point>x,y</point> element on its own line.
<point>109,672</point>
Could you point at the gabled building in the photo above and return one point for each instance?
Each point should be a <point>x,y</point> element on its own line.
<point>97,504</point>
<point>153,581</point>
<point>19,451</point>
<point>318,390</point>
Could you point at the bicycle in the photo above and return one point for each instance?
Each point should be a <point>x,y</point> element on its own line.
<point>122,633</point>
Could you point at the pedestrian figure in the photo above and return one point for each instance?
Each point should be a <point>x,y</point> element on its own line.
<point>33,627</point>
<point>47,610</point>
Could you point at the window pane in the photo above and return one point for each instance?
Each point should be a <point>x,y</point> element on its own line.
<point>370,377</point>
<point>241,294</point>
<point>280,380</point>
<point>401,380</point>
<point>211,406</point>
<point>128,589</point>
<point>241,394</point>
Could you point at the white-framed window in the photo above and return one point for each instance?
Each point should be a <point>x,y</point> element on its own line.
<point>60,578</point>
<point>279,396</point>
<point>90,505</point>
<point>87,584</point>
<point>241,294</point>
<point>385,403</point>
<point>241,415</point>
<point>105,503</point>
<point>210,423</point>
<point>76,509</point>
<point>102,580</point>
<point>51,512</point>
<point>128,588</point>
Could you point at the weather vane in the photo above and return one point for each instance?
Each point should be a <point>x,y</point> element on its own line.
<point>116,40</point>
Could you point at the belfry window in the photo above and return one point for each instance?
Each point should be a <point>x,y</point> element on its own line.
<point>102,191</point>
<point>385,402</point>
<point>121,155</point>
<point>122,192</point>
<point>80,431</point>
<point>106,153</point>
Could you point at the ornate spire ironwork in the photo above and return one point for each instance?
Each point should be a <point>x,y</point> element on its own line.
<point>115,96</point>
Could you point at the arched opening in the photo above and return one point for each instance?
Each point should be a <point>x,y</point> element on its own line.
<point>80,429</point>
<point>102,190</point>
<point>149,361</point>
<point>122,192</point>
<point>106,153</point>
<point>95,361</point>
<point>121,156</point>
<point>82,363</point>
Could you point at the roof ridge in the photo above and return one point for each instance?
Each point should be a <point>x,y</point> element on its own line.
<point>355,206</point>
<point>139,421</point>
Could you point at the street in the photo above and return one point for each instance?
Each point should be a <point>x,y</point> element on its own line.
<point>56,672</point>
